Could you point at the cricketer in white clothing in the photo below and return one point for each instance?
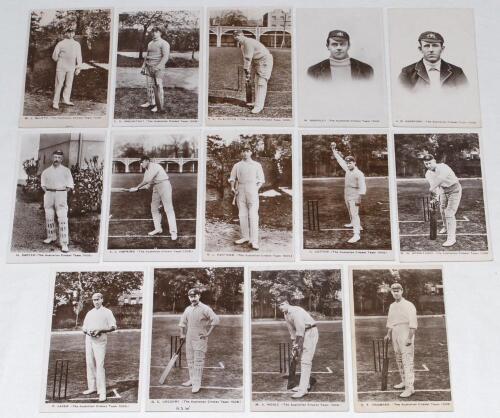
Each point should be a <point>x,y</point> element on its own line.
<point>156,176</point>
<point>56,181</point>
<point>401,327</point>
<point>304,334</point>
<point>153,68</point>
<point>68,55</point>
<point>247,177</point>
<point>256,52</point>
<point>196,324</point>
<point>445,185</point>
<point>354,190</point>
<point>97,323</point>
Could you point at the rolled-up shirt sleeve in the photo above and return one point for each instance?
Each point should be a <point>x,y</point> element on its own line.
<point>183,320</point>
<point>412,313</point>
<point>340,160</point>
<point>260,175</point>
<point>212,317</point>
<point>234,173</point>
<point>111,320</point>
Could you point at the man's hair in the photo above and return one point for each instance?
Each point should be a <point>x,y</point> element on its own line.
<point>98,294</point>
<point>428,157</point>
<point>157,29</point>
<point>145,158</point>
<point>238,32</point>
<point>350,159</point>
<point>69,29</point>
<point>340,34</point>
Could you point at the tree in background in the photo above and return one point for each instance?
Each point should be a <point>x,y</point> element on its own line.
<point>447,148</point>
<point>222,288</point>
<point>317,291</point>
<point>233,18</point>
<point>372,289</point>
<point>77,288</point>
<point>170,21</point>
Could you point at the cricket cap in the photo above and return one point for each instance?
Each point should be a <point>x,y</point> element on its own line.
<point>145,158</point>
<point>246,147</point>
<point>431,37</point>
<point>350,159</point>
<point>69,29</point>
<point>282,299</point>
<point>338,34</point>
<point>194,291</point>
<point>396,286</point>
<point>428,157</point>
<point>58,152</point>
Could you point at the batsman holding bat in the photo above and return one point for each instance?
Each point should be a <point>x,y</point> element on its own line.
<point>156,176</point>
<point>256,52</point>
<point>444,184</point>
<point>354,190</point>
<point>401,327</point>
<point>154,68</point>
<point>304,335</point>
<point>196,323</point>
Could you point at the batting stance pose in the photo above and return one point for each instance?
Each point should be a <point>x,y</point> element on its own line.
<point>68,55</point>
<point>56,181</point>
<point>246,179</point>
<point>197,323</point>
<point>97,323</point>
<point>153,68</point>
<point>253,50</point>
<point>401,327</point>
<point>304,335</point>
<point>156,176</point>
<point>445,185</point>
<point>354,189</point>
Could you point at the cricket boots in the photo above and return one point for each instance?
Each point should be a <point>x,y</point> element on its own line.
<point>399,386</point>
<point>451,226</point>
<point>407,393</point>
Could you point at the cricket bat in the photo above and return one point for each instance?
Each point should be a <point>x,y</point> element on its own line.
<point>292,372</point>
<point>249,95</point>
<point>433,220</point>
<point>171,363</point>
<point>385,366</point>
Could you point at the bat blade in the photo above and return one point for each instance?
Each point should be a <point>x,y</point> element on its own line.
<point>292,376</point>
<point>167,369</point>
<point>385,373</point>
<point>433,222</point>
<point>249,95</point>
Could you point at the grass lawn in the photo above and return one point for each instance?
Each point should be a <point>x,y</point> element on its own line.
<point>89,94</point>
<point>431,361</point>
<point>130,214</point>
<point>470,216</point>
<point>122,365</point>
<point>222,226</point>
<point>29,229</point>
<point>179,104</point>
<point>225,345</point>
<point>223,75</point>
<point>374,214</point>
<point>266,376</point>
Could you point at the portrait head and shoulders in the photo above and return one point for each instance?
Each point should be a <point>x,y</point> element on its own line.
<point>432,69</point>
<point>339,66</point>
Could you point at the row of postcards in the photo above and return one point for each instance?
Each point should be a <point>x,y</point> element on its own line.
<point>313,67</point>
<point>252,316</point>
<point>307,204</point>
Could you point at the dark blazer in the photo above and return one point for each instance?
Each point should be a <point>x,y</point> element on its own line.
<point>359,70</point>
<point>415,75</point>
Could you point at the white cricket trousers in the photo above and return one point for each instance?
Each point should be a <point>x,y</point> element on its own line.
<point>311,336</point>
<point>162,195</point>
<point>248,211</point>
<point>404,354</point>
<point>95,352</point>
<point>63,78</point>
